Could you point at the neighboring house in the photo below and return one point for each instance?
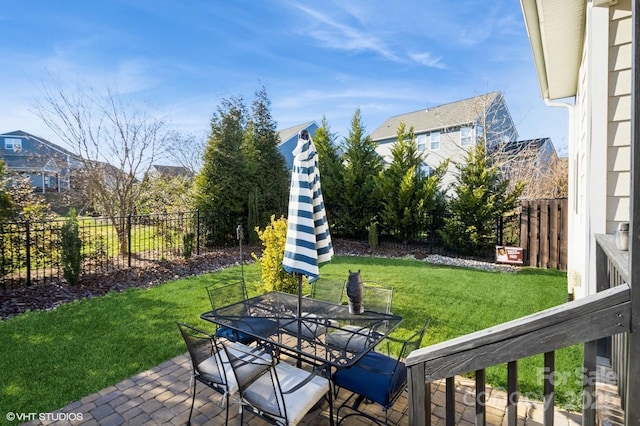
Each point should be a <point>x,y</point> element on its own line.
<point>528,159</point>
<point>289,139</point>
<point>448,131</point>
<point>170,171</point>
<point>46,164</point>
<point>583,51</point>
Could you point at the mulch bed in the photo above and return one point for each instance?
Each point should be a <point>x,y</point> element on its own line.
<point>15,301</point>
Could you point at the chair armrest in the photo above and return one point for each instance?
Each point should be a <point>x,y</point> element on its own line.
<point>249,355</point>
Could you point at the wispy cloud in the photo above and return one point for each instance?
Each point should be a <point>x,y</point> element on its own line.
<point>337,35</point>
<point>427,59</point>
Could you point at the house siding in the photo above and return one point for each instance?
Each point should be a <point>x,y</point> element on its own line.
<point>289,140</point>
<point>493,116</point>
<point>578,228</point>
<point>47,166</point>
<point>602,139</point>
<point>619,127</point>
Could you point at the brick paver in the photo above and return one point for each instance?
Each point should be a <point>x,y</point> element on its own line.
<point>162,396</point>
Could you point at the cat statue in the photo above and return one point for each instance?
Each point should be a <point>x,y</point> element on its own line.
<point>355,293</point>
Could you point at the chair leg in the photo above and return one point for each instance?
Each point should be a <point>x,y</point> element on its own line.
<point>332,422</point>
<point>193,399</point>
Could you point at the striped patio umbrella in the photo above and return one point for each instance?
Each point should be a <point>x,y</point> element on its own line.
<point>308,240</point>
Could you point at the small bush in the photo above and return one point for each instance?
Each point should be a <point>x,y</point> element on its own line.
<point>274,277</point>
<point>187,242</point>
<point>373,235</point>
<point>71,249</point>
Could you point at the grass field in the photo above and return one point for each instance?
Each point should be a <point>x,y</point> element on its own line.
<point>49,359</point>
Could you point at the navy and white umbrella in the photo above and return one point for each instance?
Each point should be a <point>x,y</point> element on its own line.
<point>308,240</point>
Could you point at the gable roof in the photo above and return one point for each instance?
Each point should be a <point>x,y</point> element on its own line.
<point>172,171</point>
<point>34,163</point>
<point>453,114</point>
<point>22,134</point>
<point>288,133</point>
<point>514,148</point>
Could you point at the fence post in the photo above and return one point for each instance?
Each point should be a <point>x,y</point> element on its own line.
<point>129,241</point>
<point>28,251</point>
<point>198,232</point>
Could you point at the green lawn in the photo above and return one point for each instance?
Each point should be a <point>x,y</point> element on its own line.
<point>49,359</point>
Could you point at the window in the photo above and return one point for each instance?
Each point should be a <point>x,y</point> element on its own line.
<point>466,138</point>
<point>425,169</point>
<point>422,143</point>
<point>479,133</point>
<point>13,144</point>
<point>435,141</point>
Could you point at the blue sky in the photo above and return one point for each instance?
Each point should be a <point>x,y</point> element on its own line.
<point>315,58</point>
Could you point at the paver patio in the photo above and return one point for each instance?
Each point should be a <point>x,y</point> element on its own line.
<point>161,396</point>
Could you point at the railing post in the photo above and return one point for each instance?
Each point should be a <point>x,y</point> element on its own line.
<point>481,398</point>
<point>450,401</point>
<point>512,393</point>
<point>549,388</point>
<point>419,391</point>
<point>588,383</point>
<point>632,408</point>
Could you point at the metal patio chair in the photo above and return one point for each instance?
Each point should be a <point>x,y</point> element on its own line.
<point>377,298</point>
<point>276,391</point>
<point>328,290</point>
<point>229,293</point>
<point>209,366</point>
<point>377,378</point>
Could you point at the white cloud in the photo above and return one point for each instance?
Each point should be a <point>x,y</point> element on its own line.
<point>427,59</point>
<point>336,35</point>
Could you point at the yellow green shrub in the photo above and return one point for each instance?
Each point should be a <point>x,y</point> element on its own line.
<point>274,277</point>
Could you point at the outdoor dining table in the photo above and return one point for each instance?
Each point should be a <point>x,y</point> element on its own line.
<point>303,334</point>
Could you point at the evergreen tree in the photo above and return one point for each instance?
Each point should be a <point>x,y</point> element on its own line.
<point>71,244</point>
<point>222,187</point>
<point>331,168</point>
<point>266,167</point>
<point>362,163</point>
<point>407,195</point>
<point>481,196</point>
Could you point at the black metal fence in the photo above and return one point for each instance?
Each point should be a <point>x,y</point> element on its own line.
<point>30,251</point>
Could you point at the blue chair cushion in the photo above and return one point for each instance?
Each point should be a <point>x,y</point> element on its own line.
<point>234,336</point>
<point>260,326</point>
<point>373,377</point>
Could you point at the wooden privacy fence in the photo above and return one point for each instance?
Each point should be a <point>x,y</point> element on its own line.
<point>544,227</point>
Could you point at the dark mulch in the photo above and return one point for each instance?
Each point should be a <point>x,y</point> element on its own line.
<point>146,275</point>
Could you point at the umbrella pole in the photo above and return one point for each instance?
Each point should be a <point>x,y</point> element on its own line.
<point>299,316</point>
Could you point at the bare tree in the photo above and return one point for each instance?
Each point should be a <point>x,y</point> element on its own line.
<point>117,144</point>
<point>487,117</point>
<point>187,150</point>
<point>535,163</point>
